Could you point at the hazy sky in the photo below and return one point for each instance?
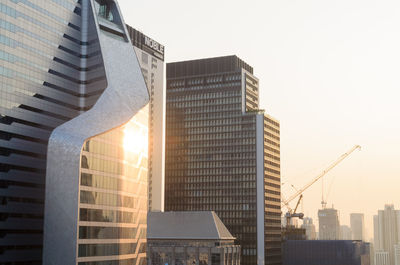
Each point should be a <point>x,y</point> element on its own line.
<point>328,70</point>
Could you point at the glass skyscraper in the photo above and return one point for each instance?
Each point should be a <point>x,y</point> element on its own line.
<point>113,195</point>
<point>73,167</point>
<point>223,153</point>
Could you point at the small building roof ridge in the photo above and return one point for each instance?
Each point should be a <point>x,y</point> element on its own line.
<point>201,225</point>
<point>223,232</point>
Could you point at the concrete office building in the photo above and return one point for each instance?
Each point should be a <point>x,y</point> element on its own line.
<point>382,258</point>
<point>326,252</point>
<point>386,231</point>
<point>329,226</point>
<point>223,153</point>
<point>309,226</point>
<point>151,58</point>
<point>357,226</point>
<point>198,238</point>
<point>69,79</point>
<point>345,233</point>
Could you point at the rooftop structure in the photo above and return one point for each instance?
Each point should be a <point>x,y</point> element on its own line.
<point>200,238</point>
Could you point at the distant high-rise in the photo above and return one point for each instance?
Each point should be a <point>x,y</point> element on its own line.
<point>345,232</point>
<point>151,59</point>
<point>357,226</point>
<point>386,231</point>
<point>382,258</point>
<point>223,153</point>
<point>309,226</point>
<point>397,254</point>
<point>329,226</point>
<point>372,251</point>
<point>377,243</point>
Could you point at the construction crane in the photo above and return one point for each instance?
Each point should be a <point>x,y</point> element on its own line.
<point>292,214</point>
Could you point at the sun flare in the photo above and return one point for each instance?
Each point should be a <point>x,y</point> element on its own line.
<point>135,139</point>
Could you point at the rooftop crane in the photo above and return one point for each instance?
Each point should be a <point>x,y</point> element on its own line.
<point>285,203</point>
<point>292,213</point>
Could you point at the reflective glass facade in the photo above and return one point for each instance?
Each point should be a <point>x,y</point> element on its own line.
<point>113,195</point>
<point>211,152</point>
<point>40,88</point>
<point>51,71</point>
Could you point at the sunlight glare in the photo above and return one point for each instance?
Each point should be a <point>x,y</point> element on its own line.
<point>135,139</point>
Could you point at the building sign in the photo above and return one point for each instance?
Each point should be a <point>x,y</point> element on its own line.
<point>146,44</point>
<point>152,44</point>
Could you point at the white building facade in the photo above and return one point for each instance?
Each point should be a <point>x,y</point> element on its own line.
<point>151,59</point>
<point>96,168</point>
<point>382,258</point>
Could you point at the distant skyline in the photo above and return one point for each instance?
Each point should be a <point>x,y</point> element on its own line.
<point>328,71</point>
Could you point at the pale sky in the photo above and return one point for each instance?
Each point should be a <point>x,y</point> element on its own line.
<point>328,70</point>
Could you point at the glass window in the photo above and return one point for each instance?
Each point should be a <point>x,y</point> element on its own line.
<point>215,259</point>
<point>103,8</point>
<point>107,10</point>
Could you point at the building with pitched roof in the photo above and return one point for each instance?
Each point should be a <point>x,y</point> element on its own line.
<point>198,238</point>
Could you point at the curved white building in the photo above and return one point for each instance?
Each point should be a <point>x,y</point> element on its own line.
<point>96,180</point>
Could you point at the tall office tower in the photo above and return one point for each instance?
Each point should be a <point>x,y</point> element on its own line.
<point>329,227</point>
<point>151,59</point>
<point>309,226</point>
<point>223,154</point>
<point>68,75</point>
<point>345,233</point>
<point>357,226</point>
<point>386,230</point>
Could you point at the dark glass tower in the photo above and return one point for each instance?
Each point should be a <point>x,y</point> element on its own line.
<point>41,50</point>
<point>223,153</point>
<point>69,78</point>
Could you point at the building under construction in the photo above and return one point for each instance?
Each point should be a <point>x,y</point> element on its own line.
<point>329,226</point>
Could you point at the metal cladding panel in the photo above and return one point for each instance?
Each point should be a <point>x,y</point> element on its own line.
<point>125,95</point>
